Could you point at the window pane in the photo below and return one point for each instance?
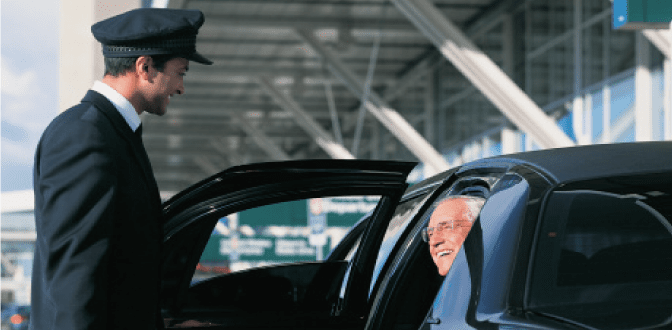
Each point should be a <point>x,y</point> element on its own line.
<point>280,233</point>
<point>604,255</point>
<point>611,238</point>
<point>402,217</point>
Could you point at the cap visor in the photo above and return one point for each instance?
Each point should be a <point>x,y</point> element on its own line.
<point>196,57</point>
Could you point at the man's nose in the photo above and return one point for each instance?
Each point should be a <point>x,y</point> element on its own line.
<point>435,240</point>
<point>180,88</point>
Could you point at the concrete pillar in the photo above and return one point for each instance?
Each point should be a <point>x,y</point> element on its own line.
<point>80,55</point>
<point>667,67</point>
<point>643,93</point>
<point>510,141</point>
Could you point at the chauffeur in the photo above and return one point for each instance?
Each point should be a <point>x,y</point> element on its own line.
<point>97,205</point>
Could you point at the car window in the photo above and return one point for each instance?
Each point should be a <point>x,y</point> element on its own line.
<point>403,214</point>
<point>296,231</point>
<point>414,276</point>
<point>606,243</point>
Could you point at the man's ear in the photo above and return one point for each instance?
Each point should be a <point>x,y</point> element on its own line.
<point>144,67</point>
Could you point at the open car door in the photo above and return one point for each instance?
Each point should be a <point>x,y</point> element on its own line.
<point>315,295</point>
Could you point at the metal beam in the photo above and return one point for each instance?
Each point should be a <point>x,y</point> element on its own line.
<point>322,138</point>
<point>490,17</point>
<point>402,43</point>
<point>580,117</point>
<point>207,165</point>
<point>335,122</point>
<point>263,141</point>
<point>667,94</point>
<point>220,144</point>
<point>398,87</point>
<point>430,107</point>
<point>643,90</point>
<point>389,117</point>
<point>484,73</point>
<point>659,39</point>
<point>222,22</point>
<point>214,74</point>
<point>487,20</point>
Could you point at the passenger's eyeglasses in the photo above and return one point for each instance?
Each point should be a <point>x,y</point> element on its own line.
<point>427,232</point>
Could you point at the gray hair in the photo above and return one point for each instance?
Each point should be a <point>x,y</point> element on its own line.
<point>474,204</point>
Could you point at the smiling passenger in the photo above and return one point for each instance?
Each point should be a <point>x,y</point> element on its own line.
<point>448,227</point>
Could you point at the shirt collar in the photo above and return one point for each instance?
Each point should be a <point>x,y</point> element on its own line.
<point>124,107</point>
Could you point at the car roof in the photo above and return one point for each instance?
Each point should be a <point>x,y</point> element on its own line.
<point>593,161</point>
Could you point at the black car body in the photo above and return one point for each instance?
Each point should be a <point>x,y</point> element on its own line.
<point>574,238</point>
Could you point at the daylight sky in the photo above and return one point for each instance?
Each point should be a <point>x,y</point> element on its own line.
<point>29,55</point>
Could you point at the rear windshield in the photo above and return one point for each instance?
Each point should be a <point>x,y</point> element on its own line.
<point>606,243</point>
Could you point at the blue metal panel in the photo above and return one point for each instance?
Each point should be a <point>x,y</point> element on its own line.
<point>642,14</point>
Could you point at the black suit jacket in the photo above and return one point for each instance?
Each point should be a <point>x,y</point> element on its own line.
<point>97,214</point>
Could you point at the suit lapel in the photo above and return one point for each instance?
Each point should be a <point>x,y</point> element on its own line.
<point>120,124</point>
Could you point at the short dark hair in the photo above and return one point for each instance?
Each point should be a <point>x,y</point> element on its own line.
<point>115,66</point>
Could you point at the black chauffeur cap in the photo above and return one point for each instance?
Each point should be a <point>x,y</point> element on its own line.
<point>151,31</point>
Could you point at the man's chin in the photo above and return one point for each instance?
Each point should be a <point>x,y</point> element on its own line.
<point>157,112</point>
<point>444,266</point>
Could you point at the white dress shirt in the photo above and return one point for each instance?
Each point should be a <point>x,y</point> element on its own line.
<point>124,107</point>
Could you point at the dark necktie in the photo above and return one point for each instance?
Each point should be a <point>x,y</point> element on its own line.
<point>147,167</point>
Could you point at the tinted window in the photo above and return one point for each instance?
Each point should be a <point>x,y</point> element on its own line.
<point>402,217</point>
<point>606,243</point>
<point>610,238</point>
<point>280,233</point>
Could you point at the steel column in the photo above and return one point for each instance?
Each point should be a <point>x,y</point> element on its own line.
<point>579,113</point>
<point>484,73</point>
<point>207,165</point>
<point>667,93</point>
<point>335,123</point>
<point>220,145</point>
<point>387,116</point>
<point>643,87</point>
<point>606,88</point>
<point>261,139</point>
<point>430,108</point>
<point>659,39</point>
<point>510,141</point>
<point>322,138</point>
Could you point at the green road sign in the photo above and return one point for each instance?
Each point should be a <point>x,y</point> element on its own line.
<point>259,248</point>
<point>340,212</point>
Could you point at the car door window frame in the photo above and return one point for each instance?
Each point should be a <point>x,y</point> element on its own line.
<point>472,182</point>
<point>203,215</point>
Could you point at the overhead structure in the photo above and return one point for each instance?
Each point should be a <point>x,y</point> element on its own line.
<point>435,97</point>
<point>322,138</point>
<point>484,74</point>
<point>263,141</point>
<point>660,39</point>
<point>387,116</point>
